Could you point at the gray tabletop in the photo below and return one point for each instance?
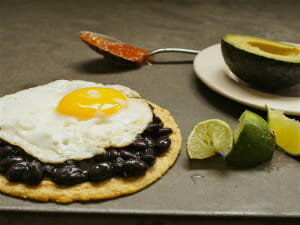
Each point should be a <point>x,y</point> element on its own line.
<point>39,44</point>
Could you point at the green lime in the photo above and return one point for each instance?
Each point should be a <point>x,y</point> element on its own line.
<point>208,137</point>
<point>253,142</point>
<point>287,131</point>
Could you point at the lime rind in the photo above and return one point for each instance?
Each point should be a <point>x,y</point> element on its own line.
<point>240,127</point>
<point>254,143</point>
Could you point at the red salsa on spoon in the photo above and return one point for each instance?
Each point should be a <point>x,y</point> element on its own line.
<point>108,46</point>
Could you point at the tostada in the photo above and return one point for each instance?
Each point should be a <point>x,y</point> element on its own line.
<point>79,140</point>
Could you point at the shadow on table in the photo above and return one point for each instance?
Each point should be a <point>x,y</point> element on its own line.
<point>222,103</point>
<point>106,65</point>
<point>102,66</point>
<point>218,163</point>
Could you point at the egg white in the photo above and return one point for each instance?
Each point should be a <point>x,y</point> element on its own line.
<point>29,119</point>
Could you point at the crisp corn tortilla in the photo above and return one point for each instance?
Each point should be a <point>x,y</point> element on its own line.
<point>112,188</point>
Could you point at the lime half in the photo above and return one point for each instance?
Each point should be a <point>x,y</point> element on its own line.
<point>287,131</point>
<point>253,142</point>
<point>208,137</point>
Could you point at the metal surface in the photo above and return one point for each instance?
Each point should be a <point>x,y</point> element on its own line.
<point>118,57</point>
<point>177,50</point>
<point>39,44</point>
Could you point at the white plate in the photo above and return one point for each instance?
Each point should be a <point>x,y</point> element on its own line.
<point>210,67</point>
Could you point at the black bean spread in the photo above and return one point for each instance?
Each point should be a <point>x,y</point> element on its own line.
<point>131,161</point>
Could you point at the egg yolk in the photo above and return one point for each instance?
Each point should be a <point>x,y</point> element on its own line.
<point>87,102</point>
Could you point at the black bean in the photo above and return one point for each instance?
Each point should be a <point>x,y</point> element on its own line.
<point>161,124</point>
<point>102,157</point>
<point>149,151</point>
<point>37,165</point>
<point>138,136</point>
<point>139,144</point>
<point>100,171</point>
<point>164,131</point>
<point>150,142</point>
<point>48,170</point>
<point>27,157</point>
<point>124,154</point>
<point>17,151</point>
<point>5,151</point>
<point>34,175</point>
<point>86,163</point>
<point>134,168</point>
<point>66,164</point>
<point>129,149</point>
<point>113,153</point>
<point>17,170</point>
<point>118,165</point>
<point>151,106</point>
<point>60,165</point>
<point>161,145</point>
<point>148,157</point>
<point>70,162</point>
<point>69,175</point>
<point>12,150</point>
<point>85,173</point>
<point>156,119</point>
<point>3,143</point>
<point>8,147</point>
<point>151,129</point>
<point>6,162</point>
<point>138,154</point>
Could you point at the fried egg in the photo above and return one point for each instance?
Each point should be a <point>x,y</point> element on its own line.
<point>72,119</point>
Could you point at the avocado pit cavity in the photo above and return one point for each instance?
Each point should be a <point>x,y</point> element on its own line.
<point>275,49</point>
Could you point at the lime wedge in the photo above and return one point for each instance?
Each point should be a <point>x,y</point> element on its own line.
<point>287,131</point>
<point>253,142</point>
<point>208,137</point>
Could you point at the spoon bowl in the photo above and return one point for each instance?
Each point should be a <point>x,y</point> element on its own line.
<point>120,52</point>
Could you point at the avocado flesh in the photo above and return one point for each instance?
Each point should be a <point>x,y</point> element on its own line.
<point>270,49</point>
<point>262,63</point>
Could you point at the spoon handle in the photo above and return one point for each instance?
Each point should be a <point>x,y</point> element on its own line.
<point>181,50</point>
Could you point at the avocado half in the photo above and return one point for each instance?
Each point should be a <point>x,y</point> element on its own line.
<point>263,63</point>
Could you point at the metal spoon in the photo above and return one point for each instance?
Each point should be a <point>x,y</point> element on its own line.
<point>120,52</point>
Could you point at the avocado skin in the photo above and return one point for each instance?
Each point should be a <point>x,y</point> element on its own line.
<point>259,71</point>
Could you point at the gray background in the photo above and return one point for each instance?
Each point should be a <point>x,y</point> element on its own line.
<point>39,44</point>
